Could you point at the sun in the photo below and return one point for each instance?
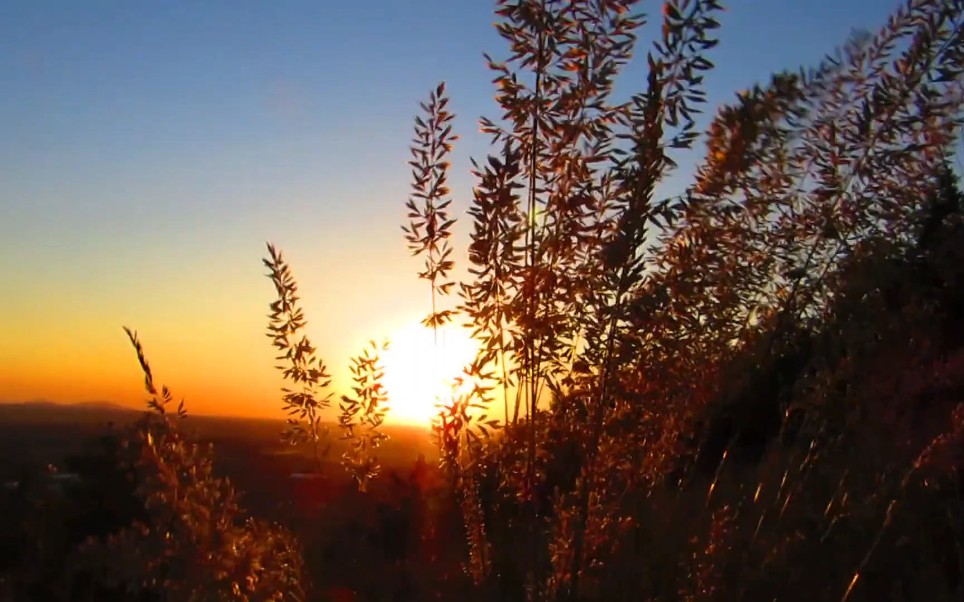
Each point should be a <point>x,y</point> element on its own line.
<point>420,366</point>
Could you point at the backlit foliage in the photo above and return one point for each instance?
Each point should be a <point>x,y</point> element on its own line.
<point>299,365</point>
<point>429,227</point>
<point>462,418</point>
<point>362,415</point>
<point>195,541</point>
<point>750,387</point>
<point>732,392</point>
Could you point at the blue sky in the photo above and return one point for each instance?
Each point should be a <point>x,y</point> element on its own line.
<point>149,149</point>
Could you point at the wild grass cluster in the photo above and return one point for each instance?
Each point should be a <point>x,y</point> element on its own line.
<point>751,388</point>
<point>762,349</point>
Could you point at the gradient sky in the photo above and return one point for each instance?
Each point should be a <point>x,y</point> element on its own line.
<point>149,149</point>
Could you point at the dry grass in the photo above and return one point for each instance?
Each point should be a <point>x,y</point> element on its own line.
<point>741,392</point>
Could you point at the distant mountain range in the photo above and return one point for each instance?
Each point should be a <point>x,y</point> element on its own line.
<point>108,409</point>
<point>44,411</point>
<point>39,404</point>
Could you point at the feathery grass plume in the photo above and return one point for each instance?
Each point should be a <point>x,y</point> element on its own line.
<point>557,143</point>
<point>195,541</point>
<point>673,94</point>
<point>799,173</point>
<point>649,350</point>
<point>309,396</point>
<point>429,227</point>
<point>871,386</point>
<point>428,232</point>
<point>497,230</point>
<point>362,415</point>
<point>624,311</point>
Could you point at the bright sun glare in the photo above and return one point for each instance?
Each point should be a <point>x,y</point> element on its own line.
<point>418,372</point>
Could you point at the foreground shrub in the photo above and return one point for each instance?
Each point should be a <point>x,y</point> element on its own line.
<point>194,541</point>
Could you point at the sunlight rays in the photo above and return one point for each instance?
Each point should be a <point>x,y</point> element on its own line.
<point>418,372</point>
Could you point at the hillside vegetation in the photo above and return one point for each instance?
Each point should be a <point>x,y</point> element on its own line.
<point>750,390</point>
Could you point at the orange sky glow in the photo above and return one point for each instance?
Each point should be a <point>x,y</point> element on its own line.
<point>150,152</point>
<point>210,345</point>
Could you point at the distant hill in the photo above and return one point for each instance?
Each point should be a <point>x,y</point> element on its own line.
<point>102,405</point>
<point>56,423</point>
<point>36,433</point>
<point>43,411</point>
<point>46,403</point>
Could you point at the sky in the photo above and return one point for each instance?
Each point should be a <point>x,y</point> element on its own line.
<point>148,151</point>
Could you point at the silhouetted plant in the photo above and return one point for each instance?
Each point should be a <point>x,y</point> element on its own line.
<point>429,227</point>
<point>362,415</point>
<point>626,308</point>
<point>641,342</point>
<point>308,373</point>
<point>195,542</point>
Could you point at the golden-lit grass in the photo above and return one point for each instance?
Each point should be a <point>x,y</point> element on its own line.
<point>633,343</point>
<point>692,387</point>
